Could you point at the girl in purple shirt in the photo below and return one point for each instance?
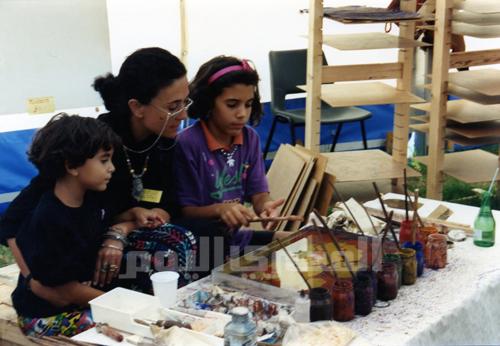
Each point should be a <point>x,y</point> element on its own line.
<point>219,165</point>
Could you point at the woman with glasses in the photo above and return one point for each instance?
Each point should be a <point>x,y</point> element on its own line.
<point>146,102</point>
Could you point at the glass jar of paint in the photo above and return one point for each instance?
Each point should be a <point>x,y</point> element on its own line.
<point>388,282</point>
<point>343,300</point>
<point>409,261</point>
<point>436,251</point>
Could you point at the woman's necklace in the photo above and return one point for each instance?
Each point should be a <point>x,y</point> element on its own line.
<point>137,186</point>
<point>229,156</point>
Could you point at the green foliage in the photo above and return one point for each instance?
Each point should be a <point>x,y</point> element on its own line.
<point>5,256</point>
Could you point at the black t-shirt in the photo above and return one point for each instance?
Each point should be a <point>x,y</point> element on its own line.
<point>118,196</point>
<point>60,245</point>
<point>157,179</point>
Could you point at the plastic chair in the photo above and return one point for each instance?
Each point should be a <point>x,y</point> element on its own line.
<point>288,69</point>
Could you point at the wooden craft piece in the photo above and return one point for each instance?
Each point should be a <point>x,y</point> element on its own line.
<point>486,81</point>
<point>476,18</point>
<point>477,6</point>
<point>470,95</point>
<point>477,130</point>
<point>479,31</point>
<point>464,141</point>
<point>359,94</point>
<point>365,14</point>
<point>472,166</point>
<point>465,112</point>
<point>420,118</point>
<point>372,40</point>
<point>365,165</point>
<point>281,185</point>
<point>441,213</point>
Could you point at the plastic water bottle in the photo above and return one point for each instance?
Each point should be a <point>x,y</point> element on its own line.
<point>484,225</point>
<point>241,331</point>
<point>302,308</point>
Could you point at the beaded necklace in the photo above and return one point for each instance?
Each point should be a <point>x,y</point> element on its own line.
<point>137,185</point>
<point>229,155</point>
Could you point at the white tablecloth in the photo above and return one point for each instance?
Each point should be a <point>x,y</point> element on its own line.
<point>457,305</point>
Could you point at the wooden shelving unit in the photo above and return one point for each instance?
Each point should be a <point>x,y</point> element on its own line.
<point>473,120</point>
<point>372,164</point>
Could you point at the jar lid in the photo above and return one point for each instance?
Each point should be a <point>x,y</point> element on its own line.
<point>240,311</point>
<point>319,293</point>
<point>407,252</point>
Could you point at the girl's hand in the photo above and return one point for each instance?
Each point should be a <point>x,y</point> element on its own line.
<point>270,209</point>
<point>150,218</point>
<point>235,215</point>
<point>108,262</point>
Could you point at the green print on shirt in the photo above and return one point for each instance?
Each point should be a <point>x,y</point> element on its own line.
<point>224,182</point>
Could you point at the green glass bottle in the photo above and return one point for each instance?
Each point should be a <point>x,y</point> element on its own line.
<point>484,225</point>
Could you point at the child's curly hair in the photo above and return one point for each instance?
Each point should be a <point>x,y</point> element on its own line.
<point>68,141</point>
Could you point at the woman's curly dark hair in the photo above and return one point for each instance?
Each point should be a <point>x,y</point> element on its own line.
<point>142,75</point>
<point>204,93</point>
<point>69,140</point>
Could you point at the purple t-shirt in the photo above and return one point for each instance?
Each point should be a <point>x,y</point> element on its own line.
<point>205,177</point>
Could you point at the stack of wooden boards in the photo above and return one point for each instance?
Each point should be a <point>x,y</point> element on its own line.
<point>298,175</point>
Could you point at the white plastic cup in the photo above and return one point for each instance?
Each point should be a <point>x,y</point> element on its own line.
<point>165,287</point>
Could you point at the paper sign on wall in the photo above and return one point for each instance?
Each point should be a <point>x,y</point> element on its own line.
<point>40,105</point>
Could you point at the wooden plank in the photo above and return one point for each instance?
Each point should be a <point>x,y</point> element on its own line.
<point>472,166</point>
<point>302,208</point>
<point>281,185</point>
<point>359,94</point>
<point>479,31</point>
<point>483,6</point>
<point>371,40</point>
<point>486,81</point>
<point>461,140</point>
<point>466,112</point>
<point>440,67</point>
<point>475,58</point>
<point>471,95</point>
<point>420,118</point>
<point>404,84</point>
<point>325,193</point>
<point>313,76</point>
<point>365,165</point>
<point>331,74</point>
<point>476,18</point>
<point>477,130</point>
<point>423,128</point>
<point>319,167</point>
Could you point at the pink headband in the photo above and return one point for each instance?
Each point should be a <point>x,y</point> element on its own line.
<point>244,66</point>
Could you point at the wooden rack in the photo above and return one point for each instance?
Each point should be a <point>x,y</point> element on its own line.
<point>473,120</point>
<point>361,165</point>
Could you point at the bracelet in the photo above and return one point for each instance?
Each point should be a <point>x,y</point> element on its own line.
<point>111,246</point>
<point>27,281</point>
<point>117,230</point>
<point>116,236</point>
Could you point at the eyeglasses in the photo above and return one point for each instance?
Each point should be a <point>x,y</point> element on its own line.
<point>184,106</point>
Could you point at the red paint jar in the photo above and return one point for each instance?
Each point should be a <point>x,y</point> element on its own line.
<point>343,300</point>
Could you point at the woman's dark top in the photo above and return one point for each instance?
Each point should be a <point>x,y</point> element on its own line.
<point>158,178</point>
<point>118,196</point>
<point>59,245</point>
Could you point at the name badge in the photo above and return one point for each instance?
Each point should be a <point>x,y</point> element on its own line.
<point>152,196</point>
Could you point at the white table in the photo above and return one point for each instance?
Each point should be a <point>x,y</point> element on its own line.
<point>457,305</point>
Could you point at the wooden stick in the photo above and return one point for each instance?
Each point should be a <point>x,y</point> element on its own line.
<point>322,244</point>
<point>348,209</point>
<point>415,209</point>
<point>277,218</point>
<point>384,235</point>
<point>295,264</point>
<point>334,240</point>
<point>379,196</point>
<point>406,193</point>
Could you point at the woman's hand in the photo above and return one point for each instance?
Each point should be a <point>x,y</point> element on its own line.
<point>270,209</point>
<point>150,218</point>
<point>235,215</point>
<point>108,262</point>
